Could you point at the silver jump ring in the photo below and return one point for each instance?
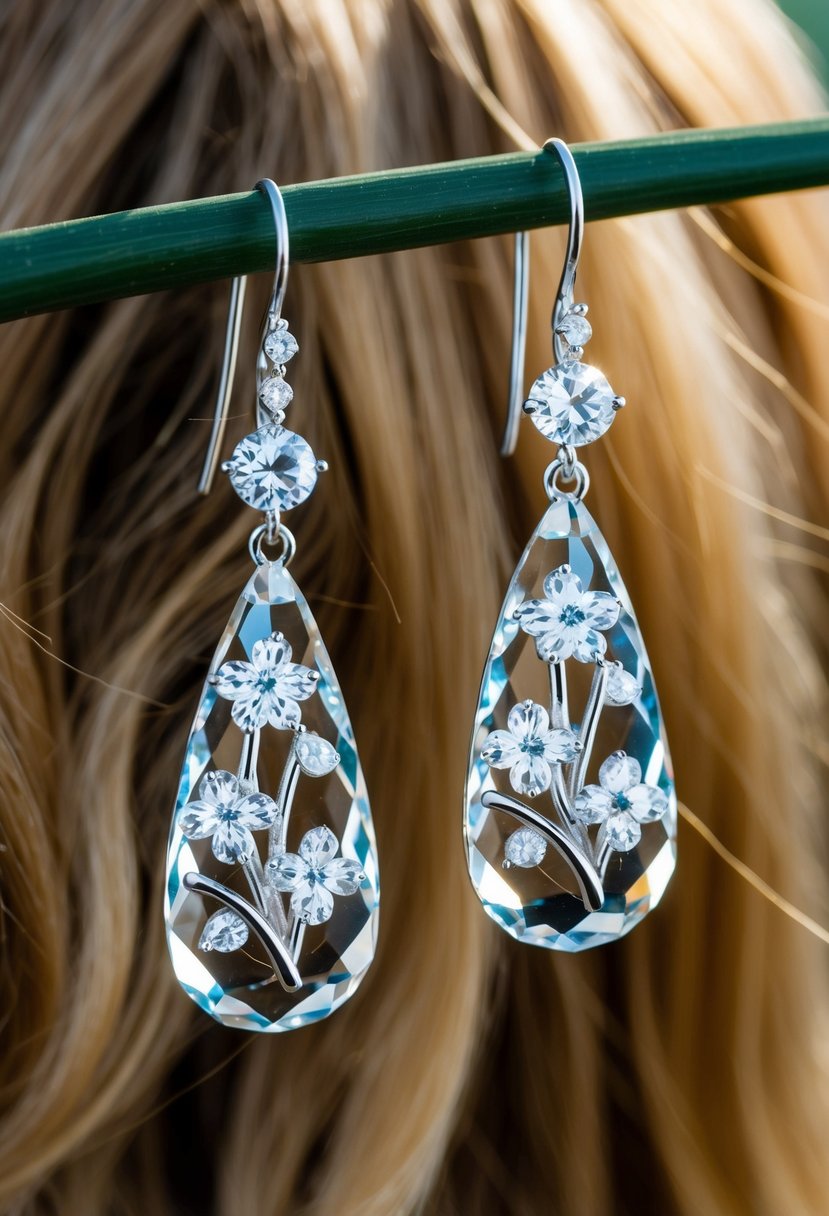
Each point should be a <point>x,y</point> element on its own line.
<point>259,537</point>
<point>557,472</point>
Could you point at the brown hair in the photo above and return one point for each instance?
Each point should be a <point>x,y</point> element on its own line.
<point>677,1071</point>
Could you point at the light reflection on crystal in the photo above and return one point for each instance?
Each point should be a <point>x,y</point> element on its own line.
<point>238,987</point>
<point>541,905</point>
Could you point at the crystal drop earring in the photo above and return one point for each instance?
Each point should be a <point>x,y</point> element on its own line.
<point>570,809</point>
<point>272,892</point>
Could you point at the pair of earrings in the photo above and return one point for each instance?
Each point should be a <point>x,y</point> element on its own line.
<point>272,893</point>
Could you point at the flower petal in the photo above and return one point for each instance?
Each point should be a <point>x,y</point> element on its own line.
<point>601,609</point>
<point>250,710</point>
<point>256,811</point>
<point>562,586</point>
<point>647,803</point>
<point>622,832</point>
<point>530,775</point>
<point>500,749</point>
<point>592,804</point>
<point>285,871</point>
<point>281,712</point>
<point>198,820</point>
<point>560,746</point>
<point>269,655</point>
<point>619,772</point>
<point>233,679</point>
<point>342,875</point>
<point>555,646</point>
<point>318,846</point>
<point>220,788</point>
<point>298,682</point>
<point>232,842</point>
<point>312,903</point>
<point>527,720</point>
<point>588,645</point>
<point>537,616</point>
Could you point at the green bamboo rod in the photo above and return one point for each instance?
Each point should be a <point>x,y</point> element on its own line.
<point>156,248</point>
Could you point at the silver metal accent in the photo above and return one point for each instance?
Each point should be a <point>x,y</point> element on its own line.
<point>278,953</point>
<point>564,296</point>
<point>261,535</point>
<point>589,882</point>
<point>233,327</point>
<point>556,472</point>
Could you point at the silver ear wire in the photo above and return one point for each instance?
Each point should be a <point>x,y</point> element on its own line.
<point>564,296</point>
<point>235,310</point>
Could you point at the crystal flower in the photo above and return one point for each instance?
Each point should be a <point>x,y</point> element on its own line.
<point>620,803</point>
<point>228,814</point>
<point>267,689</point>
<point>568,621</point>
<point>529,748</point>
<point>314,876</point>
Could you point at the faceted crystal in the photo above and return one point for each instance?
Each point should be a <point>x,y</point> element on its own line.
<point>627,837</point>
<point>622,687</point>
<point>272,469</point>
<point>575,329</point>
<point>276,393</point>
<point>571,403</point>
<point>280,344</point>
<point>525,848</point>
<point>323,821</point>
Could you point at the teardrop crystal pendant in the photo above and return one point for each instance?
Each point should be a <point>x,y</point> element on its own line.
<point>570,806</point>
<point>272,887</point>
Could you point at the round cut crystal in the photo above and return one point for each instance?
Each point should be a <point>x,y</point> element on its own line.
<point>275,394</point>
<point>571,403</point>
<point>272,469</point>
<point>575,329</point>
<point>525,848</point>
<point>280,344</point>
<point>316,755</point>
<point>622,688</point>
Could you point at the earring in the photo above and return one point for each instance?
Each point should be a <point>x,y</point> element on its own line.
<point>570,809</point>
<point>272,888</point>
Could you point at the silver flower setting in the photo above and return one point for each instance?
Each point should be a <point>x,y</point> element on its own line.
<point>569,621</point>
<point>266,690</point>
<point>621,803</point>
<point>529,748</point>
<point>229,815</point>
<point>314,876</point>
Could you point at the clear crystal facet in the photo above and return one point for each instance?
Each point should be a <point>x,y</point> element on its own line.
<point>272,469</point>
<point>575,329</point>
<point>224,931</point>
<point>316,756</point>
<point>329,831</point>
<point>622,687</point>
<point>525,848</point>
<point>280,344</point>
<point>627,804</point>
<point>571,403</point>
<point>276,393</point>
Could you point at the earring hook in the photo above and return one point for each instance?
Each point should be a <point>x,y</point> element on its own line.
<point>233,328</point>
<point>564,295</point>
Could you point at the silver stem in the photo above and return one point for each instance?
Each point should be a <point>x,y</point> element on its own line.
<point>278,838</point>
<point>247,772</point>
<point>589,726</point>
<point>281,961</point>
<point>589,882</point>
<point>559,710</point>
<point>563,804</point>
<point>297,938</point>
<point>268,901</point>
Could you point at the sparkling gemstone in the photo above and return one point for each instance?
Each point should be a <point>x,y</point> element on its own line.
<point>525,848</point>
<point>237,987</point>
<point>575,329</point>
<point>622,688</point>
<point>316,756</point>
<point>546,906</point>
<point>272,469</point>
<point>571,403</point>
<point>275,393</point>
<point>280,344</point>
<point>224,931</point>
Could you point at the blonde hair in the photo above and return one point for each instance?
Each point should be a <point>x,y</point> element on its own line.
<point>681,1070</point>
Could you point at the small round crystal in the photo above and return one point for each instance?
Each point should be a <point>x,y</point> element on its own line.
<point>275,393</point>
<point>572,403</point>
<point>525,848</point>
<point>280,344</point>
<point>272,469</point>
<point>575,329</point>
